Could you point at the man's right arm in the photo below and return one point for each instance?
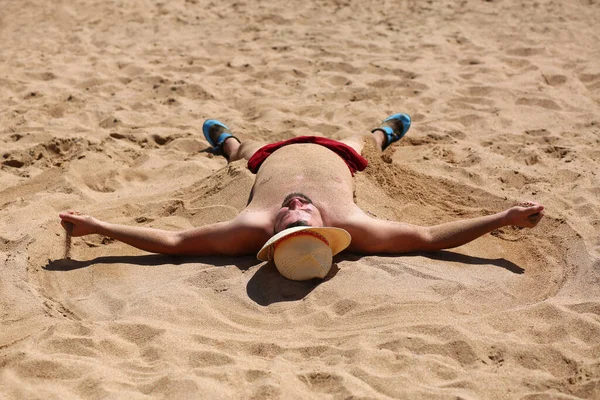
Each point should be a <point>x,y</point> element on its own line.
<point>372,235</point>
<point>241,236</point>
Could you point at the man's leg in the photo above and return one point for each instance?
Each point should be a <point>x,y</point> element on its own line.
<point>224,143</point>
<point>357,141</point>
<point>391,130</point>
<point>235,150</point>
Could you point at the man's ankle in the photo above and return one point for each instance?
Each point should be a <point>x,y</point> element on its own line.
<point>230,147</point>
<point>380,138</point>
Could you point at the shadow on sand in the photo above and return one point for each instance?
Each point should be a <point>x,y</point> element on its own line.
<point>445,255</point>
<point>267,285</point>
<point>154,260</point>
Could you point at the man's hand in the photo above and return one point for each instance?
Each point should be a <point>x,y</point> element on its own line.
<point>526,215</point>
<point>82,224</point>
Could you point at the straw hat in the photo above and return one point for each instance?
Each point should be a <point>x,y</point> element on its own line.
<point>304,252</point>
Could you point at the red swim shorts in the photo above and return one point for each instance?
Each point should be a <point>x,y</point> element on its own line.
<point>354,160</point>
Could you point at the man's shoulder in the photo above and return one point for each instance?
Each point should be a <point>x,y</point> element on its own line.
<point>255,218</point>
<point>350,215</point>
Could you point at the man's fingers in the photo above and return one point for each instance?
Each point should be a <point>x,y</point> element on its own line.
<point>530,204</point>
<point>535,218</point>
<point>531,208</point>
<point>71,216</point>
<point>535,211</point>
<point>65,217</point>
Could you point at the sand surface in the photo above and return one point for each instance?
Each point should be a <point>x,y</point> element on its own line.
<point>101,108</point>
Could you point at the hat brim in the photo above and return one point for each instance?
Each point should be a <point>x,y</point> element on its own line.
<point>338,239</point>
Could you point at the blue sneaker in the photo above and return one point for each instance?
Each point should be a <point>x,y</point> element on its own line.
<point>394,128</point>
<point>216,133</point>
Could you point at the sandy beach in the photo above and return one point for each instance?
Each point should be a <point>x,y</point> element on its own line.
<point>101,112</point>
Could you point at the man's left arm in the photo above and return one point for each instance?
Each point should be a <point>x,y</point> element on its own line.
<point>371,235</point>
<point>242,235</point>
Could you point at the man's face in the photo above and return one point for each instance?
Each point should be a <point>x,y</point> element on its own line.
<point>297,207</point>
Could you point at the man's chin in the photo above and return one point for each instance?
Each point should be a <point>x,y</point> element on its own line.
<point>293,225</point>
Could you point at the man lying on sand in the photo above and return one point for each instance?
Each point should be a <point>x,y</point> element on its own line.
<point>301,210</point>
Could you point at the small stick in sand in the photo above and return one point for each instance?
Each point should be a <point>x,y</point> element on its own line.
<point>69,228</point>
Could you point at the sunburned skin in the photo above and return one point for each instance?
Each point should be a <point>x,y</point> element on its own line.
<point>319,178</point>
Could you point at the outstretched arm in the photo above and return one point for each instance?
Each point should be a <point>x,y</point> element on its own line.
<point>371,235</point>
<point>240,236</point>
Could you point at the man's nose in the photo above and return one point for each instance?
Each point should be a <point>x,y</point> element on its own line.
<point>294,204</point>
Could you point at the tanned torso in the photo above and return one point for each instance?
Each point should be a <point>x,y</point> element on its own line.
<point>308,168</point>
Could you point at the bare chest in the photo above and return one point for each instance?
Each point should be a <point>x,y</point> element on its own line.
<point>309,169</point>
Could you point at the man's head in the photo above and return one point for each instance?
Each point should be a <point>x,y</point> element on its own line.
<point>297,210</point>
